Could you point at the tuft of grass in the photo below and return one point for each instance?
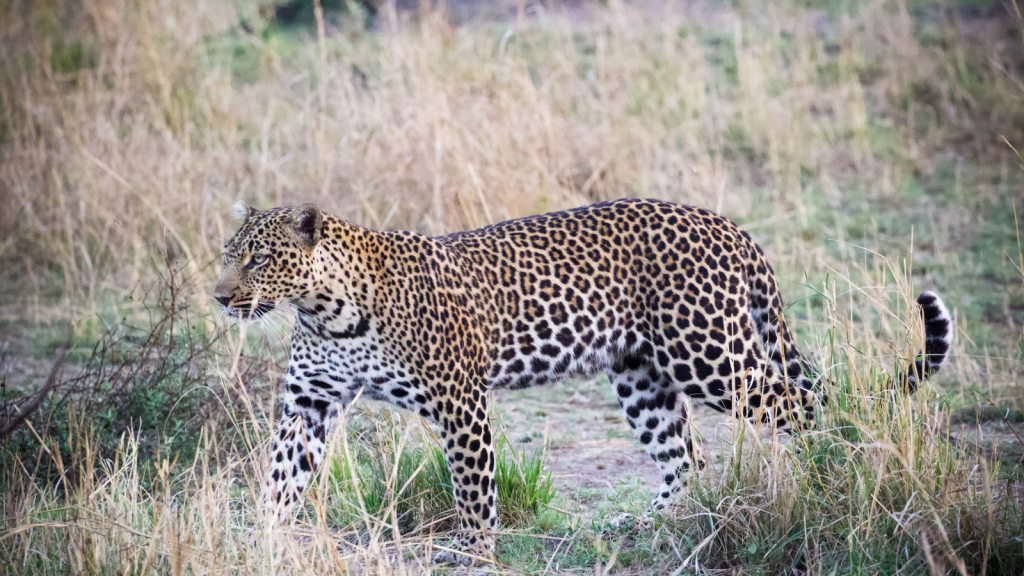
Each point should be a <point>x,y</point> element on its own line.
<point>387,473</point>
<point>200,518</point>
<point>524,488</point>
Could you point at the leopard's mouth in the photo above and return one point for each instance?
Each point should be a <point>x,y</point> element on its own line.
<point>247,312</point>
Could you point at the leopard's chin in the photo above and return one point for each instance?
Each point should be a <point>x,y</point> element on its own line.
<point>239,313</point>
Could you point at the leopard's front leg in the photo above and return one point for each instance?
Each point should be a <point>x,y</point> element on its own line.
<point>297,449</point>
<point>469,448</point>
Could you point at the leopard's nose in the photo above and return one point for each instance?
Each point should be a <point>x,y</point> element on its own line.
<point>224,300</point>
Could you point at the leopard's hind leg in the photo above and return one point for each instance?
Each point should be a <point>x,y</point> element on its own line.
<point>657,410</point>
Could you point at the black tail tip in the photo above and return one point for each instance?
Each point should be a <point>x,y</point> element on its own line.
<point>938,336</point>
<point>938,329</point>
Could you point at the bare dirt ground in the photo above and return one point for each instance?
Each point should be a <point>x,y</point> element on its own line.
<point>590,447</point>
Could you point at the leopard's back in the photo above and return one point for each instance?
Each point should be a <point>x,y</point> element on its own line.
<point>573,292</point>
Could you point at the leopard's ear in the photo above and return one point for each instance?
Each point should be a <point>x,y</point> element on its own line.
<point>240,212</point>
<point>305,222</point>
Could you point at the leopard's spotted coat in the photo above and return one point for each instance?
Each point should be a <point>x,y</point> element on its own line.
<point>675,303</point>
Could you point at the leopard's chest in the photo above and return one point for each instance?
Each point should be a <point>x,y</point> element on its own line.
<point>346,367</point>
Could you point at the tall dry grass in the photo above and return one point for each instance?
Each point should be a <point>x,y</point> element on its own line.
<point>811,130</point>
<point>195,520</point>
<point>176,113</point>
<point>886,485</point>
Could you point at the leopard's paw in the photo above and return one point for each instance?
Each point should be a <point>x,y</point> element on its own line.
<point>453,558</point>
<point>472,550</point>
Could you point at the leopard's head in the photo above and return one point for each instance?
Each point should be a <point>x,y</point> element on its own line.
<point>269,261</point>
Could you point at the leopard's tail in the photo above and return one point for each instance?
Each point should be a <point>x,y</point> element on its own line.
<point>780,346</point>
<point>938,336</point>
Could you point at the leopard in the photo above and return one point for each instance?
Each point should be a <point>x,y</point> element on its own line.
<point>676,304</point>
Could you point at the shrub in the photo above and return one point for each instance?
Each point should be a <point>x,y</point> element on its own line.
<point>150,374</point>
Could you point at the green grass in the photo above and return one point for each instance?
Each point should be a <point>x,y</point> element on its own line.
<point>524,488</point>
<point>387,473</point>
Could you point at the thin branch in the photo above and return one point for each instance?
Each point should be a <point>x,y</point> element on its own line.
<point>51,382</point>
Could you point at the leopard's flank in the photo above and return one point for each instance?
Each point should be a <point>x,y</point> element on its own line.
<point>676,304</point>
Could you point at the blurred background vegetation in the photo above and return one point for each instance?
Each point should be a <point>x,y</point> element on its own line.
<point>867,145</point>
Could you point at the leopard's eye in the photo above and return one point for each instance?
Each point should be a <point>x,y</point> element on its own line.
<point>257,260</point>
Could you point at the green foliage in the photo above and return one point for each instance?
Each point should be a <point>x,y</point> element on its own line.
<point>68,59</point>
<point>387,475</point>
<point>523,486</point>
<point>149,375</point>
